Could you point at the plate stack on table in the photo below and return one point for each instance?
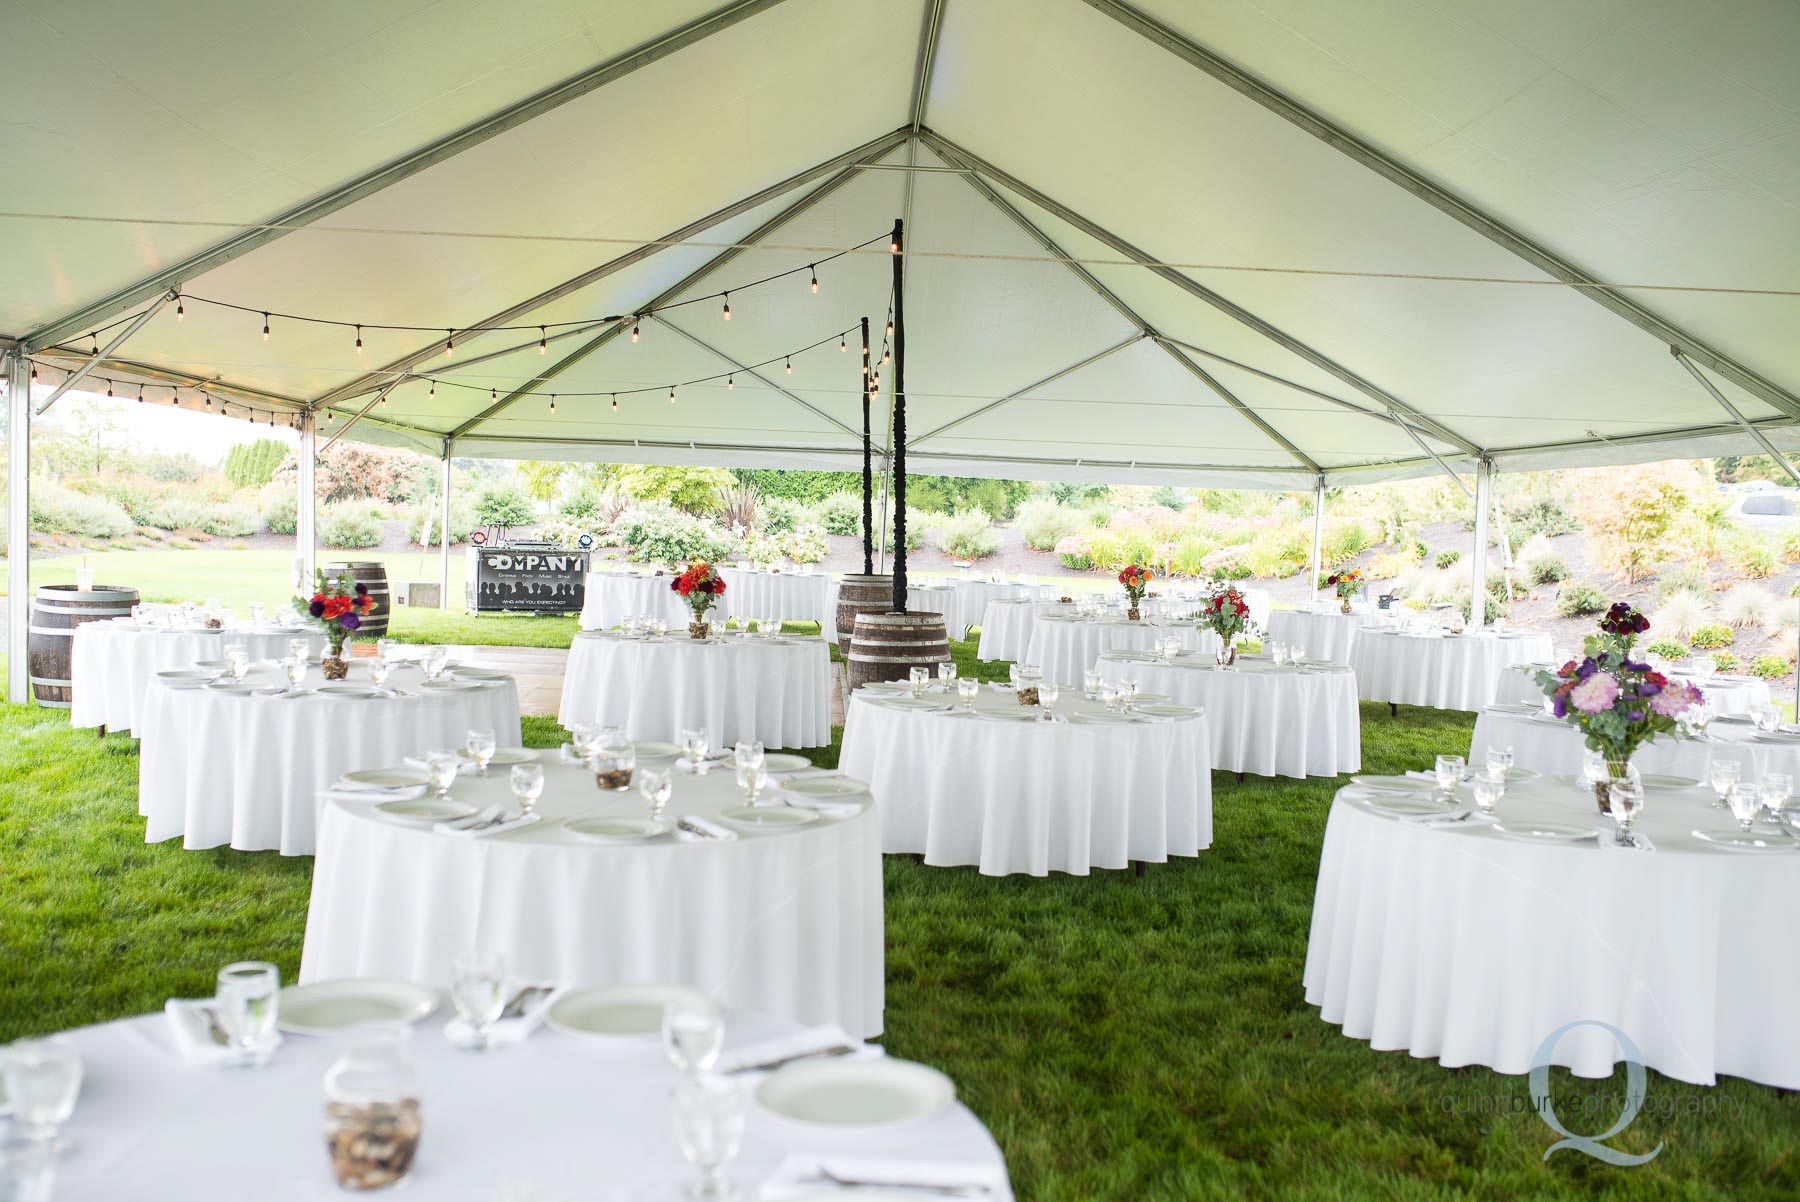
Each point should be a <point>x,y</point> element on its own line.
<point>1445,671</point>
<point>1551,745</point>
<point>244,764</point>
<point>1005,792</point>
<point>777,908</point>
<point>796,596</point>
<point>1323,634</point>
<point>1066,647</point>
<point>562,1112</point>
<point>773,690</point>
<point>612,597</point>
<point>1734,696</point>
<point>1472,943</point>
<point>114,662</point>
<point>1264,718</point>
<point>1009,622</point>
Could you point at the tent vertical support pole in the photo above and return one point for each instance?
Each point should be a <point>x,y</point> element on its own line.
<point>899,387</point>
<point>1318,536</point>
<point>868,479</point>
<point>306,510</point>
<point>444,535</point>
<point>1484,500</point>
<point>18,525</point>
<point>881,542</point>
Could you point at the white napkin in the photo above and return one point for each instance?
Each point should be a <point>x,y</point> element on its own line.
<point>712,829</point>
<point>343,792</point>
<point>798,1176</point>
<point>799,1043</point>
<point>463,766</point>
<point>466,827</point>
<point>1610,838</point>
<point>190,1029</point>
<point>831,807</point>
<point>508,1030</point>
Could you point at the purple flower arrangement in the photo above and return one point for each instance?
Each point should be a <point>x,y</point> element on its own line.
<point>1619,703</point>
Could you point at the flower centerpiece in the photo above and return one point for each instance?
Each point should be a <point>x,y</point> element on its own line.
<point>1135,580</point>
<point>339,611</point>
<point>1347,584</point>
<point>700,587</point>
<point>1617,702</point>
<point>1227,615</point>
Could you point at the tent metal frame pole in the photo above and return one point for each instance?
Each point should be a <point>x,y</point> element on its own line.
<point>1237,312</point>
<point>1484,500</point>
<point>363,412</point>
<point>1446,202</point>
<point>868,474</point>
<point>306,502</point>
<point>1114,349</point>
<point>1318,541</point>
<point>444,535</point>
<point>932,26</point>
<point>393,172</point>
<point>1349,406</point>
<point>754,374</point>
<point>736,208</point>
<point>18,526</point>
<point>80,373</point>
<point>882,548</point>
<point>1736,414</point>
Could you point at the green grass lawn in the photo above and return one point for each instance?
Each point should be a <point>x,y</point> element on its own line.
<point>1124,1038</point>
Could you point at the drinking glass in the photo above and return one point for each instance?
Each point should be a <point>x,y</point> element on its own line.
<point>42,1078</point>
<point>1128,691</point>
<point>478,991</point>
<point>693,1033</point>
<point>433,662</point>
<point>751,778</point>
<point>1594,768</point>
<point>379,670</point>
<point>1090,684</point>
<point>256,612</point>
<point>1624,801</point>
<point>656,785</point>
<point>693,749</point>
<point>1702,668</point>
<point>1724,777</point>
<point>771,626</point>
<point>1109,694</point>
<point>611,736</point>
<point>440,769</point>
<point>1744,802</point>
<point>1777,787</point>
<point>1014,673</point>
<point>1489,790</point>
<point>295,667</point>
<point>385,648</point>
<point>1047,695</point>
<point>1449,769</point>
<point>237,659</point>
<point>527,782</point>
<point>246,1000</point>
<point>1500,762</point>
<point>482,743</point>
<point>1767,717</point>
<point>300,649</point>
<point>709,1126</point>
<point>968,689</point>
<point>946,672</point>
<point>749,753</point>
<point>918,677</point>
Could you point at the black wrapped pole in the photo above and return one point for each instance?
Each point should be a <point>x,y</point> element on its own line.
<point>899,423</point>
<point>868,467</point>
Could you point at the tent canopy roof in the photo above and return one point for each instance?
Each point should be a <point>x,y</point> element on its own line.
<point>1094,193</point>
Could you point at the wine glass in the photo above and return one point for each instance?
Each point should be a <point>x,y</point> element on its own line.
<point>478,991</point>
<point>1489,789</point>
<point>693,749</point>
<point>968,689</point>
<point>1128,691</point>
<point>1777,788</point>
<point>751,778</point>
<point>434,661</point>
<point>1090,684</point>
<point>1767,717</point>
<point>385,648</point>
<point>656,785</point>
<point>440,770</point>
<point>1724,776</point>
<point>1047,695</point>
<point>693,1033</point>
<point>709,1126</point>
<point>248,994</point>
<point>1624,801</point>
<point>299,649</point>
<point>1500,761</point>
<point>527,782</point>
<point>1109,695</point>
<point>481,745</point>
<point>379,671</point>
<point>1449,770</point>
<point>918,678</point>
<point>748,754</point>
<point>946,673</point>
<point>237,660</point>
<point>42,1079</point>
<point>256,612</point>
<point>295,667</point>
<point>1744,802</point>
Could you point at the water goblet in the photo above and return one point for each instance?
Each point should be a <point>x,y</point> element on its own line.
<point>693,749</point>
<point>527,781</point>
<point>709,1126</point>
<point>751,778</point>
<point>1090,684</point>
<point>42,1079</point>
<point>440,770</point>
<point>1449,770</point>
<point>246,1002</point>
<point>1128,691</point>
<point>300,648</point>
<point>1702,668</point>
<point>295,667</point>
<point>1489,789</point>
<point>1109,695</point>
<point>1013,675</point>
<point>968,690</point>
<point>237,660</point>
<point>918,678</point>
<point>1744,803</point>
<point>946,673</point>
<point>385,650</point>
<point>1767,717</point>
<point>1500,761</point>
<point>656,786</point>
<point>478,991</point>
<point>379,670</point>
<point>434,661</point>
<point>1724,776</point>
<point>1624,802</point>
<point>749,753</point>
<point>1777,788</point>
<point>772,627</point>
<point>693,1033</point>
<point>1048,692</point>
<point>481,745</point>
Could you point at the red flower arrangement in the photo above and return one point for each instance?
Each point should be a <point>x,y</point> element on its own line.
<point>1348,582</point>
<point>1226,614</point>
<point>700,586</point>
<point>1136,580</point>
<point>338,608</point>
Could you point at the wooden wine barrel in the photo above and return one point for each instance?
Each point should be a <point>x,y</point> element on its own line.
<point>55,613</point>
<point>886,646</point>
<point>374,574</point>
<point>861,595</point>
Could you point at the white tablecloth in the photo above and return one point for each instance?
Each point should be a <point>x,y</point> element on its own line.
<point>612,597</point>
<point>1319,634</point>
<point>1008,624</point>
<point>557,1117</point>
<point>1031,797</point>
<point>776,692</point>
<point>233,768</point>
<point>1733,695</point>
<point>1066,648</point>
<point>935,597</point>
<point>1462,944</point>
<point>789,596</point>
<point>973,595</point>
<point>1549,745</point>
<point>112,663</point>
<point>1448,672</point>
<point>1272,721</point>
<point>788,923</point>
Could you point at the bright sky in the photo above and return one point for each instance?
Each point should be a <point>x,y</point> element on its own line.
<point>205,436</point>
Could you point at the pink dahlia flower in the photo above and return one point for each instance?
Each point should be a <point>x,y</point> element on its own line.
<point>1596,693</point>
<point>1675,700</point>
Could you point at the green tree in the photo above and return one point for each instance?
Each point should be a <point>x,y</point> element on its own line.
<point>253,464</point>
<point>694,489</point>
<point>541,479</point>
<point>1628,512</point>
<point>504,506</point>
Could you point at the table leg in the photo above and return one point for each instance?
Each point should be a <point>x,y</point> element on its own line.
<point>1393,710</point>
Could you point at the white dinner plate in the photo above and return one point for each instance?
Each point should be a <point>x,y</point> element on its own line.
<point>616,1011</point>
<point>784,761</point>
<point>1393,784</point>
<point>650,750</point>
<point>326,1007</point>
<point>1135,657</point>
<point>503,755</point>
<point>386,778</point>
<point>888,686</point>
<point>826,786</point>
<point>187,674</point>
<point>234,686</point>
<point>1557,832</point>
<point>855,1093</point>
<point>619,830</point>
<point>449,686</point>
<point>346,690</point>
<point>1658,780</point>
<point>424,811</point>
<point>914,703</point>
<point>1168,711</point>
<point>1029,714</point>
<point>1516,775</point>
<point>766,818</point>
<point>1750,841</point>
<point>1101,718</point>
<point>1407,806</point>
<point>482,674</point>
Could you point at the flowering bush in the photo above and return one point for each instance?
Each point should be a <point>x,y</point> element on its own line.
<point>338,610</point>
<point>841,513</point>
<point>1617,702</point>
<point>1135,580</point>
<point>1046,522</point>
<point>663,534</point>
<point>804,544</point>
<point>700,586</point>
<point>1226,614</point>
<point>967,535</point>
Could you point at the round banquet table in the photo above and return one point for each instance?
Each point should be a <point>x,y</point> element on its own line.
<point>612,597</point>
<point>1472,947</point>
<point>935,597</point>
<point>1447,672</point>
<point>1008,624</point>
<point>239,768</point>
<point>789,596</point>
<point>1263,719</point>
<point>1550,745</point>
<point>555,1117</point>
<point>973,595</point>
<point>1321,634</point>
<point>1733,696</point>
<point>1015,796</point>
<point>112,663</point>
<point>1066,648</point>
<point>789,923</point>
<point>777,691</point>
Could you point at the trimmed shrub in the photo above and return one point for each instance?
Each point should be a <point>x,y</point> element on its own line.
<point>1447,557</point>
<point>663,534</point>
<point>780,515</point>
<point>967,535</point>
<point>1769,667</point>
<point>1045,522</point>
<point>229,521</point>
<point>1749,605</point>
<point>349,526</point>
<point>1752,555</point>
<point>1073,552</point>
<point>805,544</point>
<point>278,511</point>
<point>504,506</point>
<point>462,521</point>
<point>1711,636</point>
<point>58,510</point>
<point>253,464</point>
<point>1577,599</point>
<point>1688,578</point>
<point>1725,661</point>
<point>840,513</point>
<point>1547,569</point>
<point>1388,567</point>
<point>1666,649</point>
<point>172,513</point>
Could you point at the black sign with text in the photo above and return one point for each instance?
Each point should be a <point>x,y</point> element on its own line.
<point>526,581</point>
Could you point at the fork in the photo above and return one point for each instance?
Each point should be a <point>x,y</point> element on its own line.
<point>942,1191</point>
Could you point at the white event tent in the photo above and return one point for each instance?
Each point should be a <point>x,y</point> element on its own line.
<point>1197,242</point>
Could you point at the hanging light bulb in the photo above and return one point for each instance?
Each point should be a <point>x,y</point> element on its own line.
<point>543,346</point>
<point>179,311</point>
<point>671,394</point>
<point>94,350</point>
<point>34,377</point>
<point>175,397</point>
<point>815,275</point>
<point>330,416</point>
<point>890,329</point>
<point>432,390</point>
<point>553,402</point>
<point>844,343</point>
<point>109,390</point>
<point>886,354</point>
<point>730,383</point>
<point>140,394</point>
<point>493,394</point>
<point>893,247</point>
<point>615,399</point>
<point>208,397</point>
<point>634,329</point>
<point>790,365</point>
<point>359,340</point>
<point>265,327</point>
<point>449,343</point>
<point>728,306</point>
